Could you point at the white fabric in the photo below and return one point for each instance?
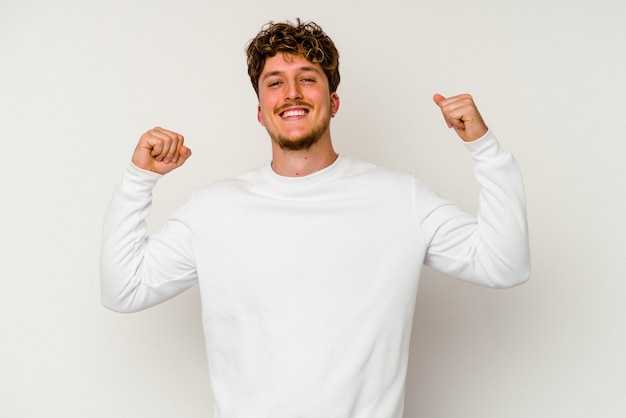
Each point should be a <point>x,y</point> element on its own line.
<point>308,284</point>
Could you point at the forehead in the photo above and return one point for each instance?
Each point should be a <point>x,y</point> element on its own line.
<point>286,62</point>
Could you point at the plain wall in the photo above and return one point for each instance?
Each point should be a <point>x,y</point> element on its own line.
<point>80,81</point>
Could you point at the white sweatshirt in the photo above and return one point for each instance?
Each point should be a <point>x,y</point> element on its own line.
<point>308,284</point>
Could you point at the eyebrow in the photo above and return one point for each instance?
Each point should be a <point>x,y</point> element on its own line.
<point>303,69</point>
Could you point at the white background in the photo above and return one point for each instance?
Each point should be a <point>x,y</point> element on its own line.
<point>80,81</point>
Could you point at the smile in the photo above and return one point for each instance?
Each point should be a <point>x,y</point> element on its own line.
<point>290,113</point>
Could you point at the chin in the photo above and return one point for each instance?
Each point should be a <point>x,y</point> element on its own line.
<point>297,144</point>
<point>302,142</point>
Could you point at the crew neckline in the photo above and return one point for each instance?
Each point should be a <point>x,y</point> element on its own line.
<point>322,175</point>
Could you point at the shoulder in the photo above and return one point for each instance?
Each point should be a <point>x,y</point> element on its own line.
<point>229,185</point>
<point>381,175</point>
<point>356,167</point>
<point>385,182</point>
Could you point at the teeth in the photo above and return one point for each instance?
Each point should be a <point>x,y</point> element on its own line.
<point>290,113</point>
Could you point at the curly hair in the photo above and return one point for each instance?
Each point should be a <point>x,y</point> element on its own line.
<point>306,39</point>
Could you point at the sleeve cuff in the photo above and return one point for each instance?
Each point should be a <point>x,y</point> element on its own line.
<point>485,148</point>
<point>138,181</point>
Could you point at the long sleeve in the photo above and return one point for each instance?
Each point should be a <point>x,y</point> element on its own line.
<point>492,248</point>
<point>139,271</point>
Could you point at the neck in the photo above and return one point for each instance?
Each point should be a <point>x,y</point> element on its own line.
<point>302,162</point>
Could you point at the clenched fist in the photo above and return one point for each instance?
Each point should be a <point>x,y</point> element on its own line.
<point>161,151</point>
<point>461,113</point>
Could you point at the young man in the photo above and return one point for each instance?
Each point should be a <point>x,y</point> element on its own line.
<point>308,267</point>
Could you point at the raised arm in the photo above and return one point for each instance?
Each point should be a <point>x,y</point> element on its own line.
<point>492,248</point>
<point>138,271</point>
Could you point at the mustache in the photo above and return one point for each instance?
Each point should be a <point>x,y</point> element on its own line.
<point>294,104</point>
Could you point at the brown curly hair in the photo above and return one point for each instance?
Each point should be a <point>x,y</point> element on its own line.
<point>306,39</point>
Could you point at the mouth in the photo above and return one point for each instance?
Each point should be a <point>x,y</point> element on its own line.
<point>293,113</point>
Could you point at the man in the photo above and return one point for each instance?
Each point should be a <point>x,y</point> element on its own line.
<point>308,267</point>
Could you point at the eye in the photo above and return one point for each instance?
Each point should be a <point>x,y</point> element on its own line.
<point>273,84</point>
<point>308,80</point>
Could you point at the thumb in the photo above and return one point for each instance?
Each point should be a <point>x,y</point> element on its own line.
<point>183,154</point>
<point>438,98</point>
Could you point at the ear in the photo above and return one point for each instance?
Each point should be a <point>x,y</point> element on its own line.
<point>334,103</point>
<point>258,115</point>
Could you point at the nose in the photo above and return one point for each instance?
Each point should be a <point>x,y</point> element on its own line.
<point>293,92</point>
